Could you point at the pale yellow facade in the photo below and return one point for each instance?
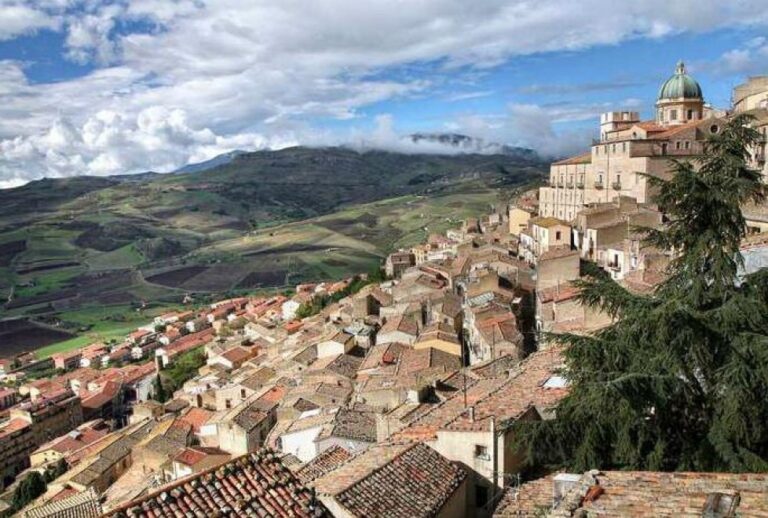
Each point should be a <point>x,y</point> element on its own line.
<point>518,220</point>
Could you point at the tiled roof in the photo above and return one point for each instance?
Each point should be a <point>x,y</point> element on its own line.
<point>353,424</point>
<point>197,417</point>
<point>325,462</point>
<point>558,293</point>
<point>584,158</point>
<point>644,494</point>
<point>256,484</point>
<point>382,355</point>
<point>533,500</point>
<point>525,388</point>
<point>503,396</point>
<point>343,364</point>
<point>393,481</point>
<point>402,323</point>
<point>78,505</point>
<point>415,360</point>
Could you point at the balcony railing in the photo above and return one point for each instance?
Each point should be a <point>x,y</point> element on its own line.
<point>614,266</point>
<point>616,186</point>
<point>579,185</point>
<point>569,184</point>
<point>598,185</point>
<point>560,183</point>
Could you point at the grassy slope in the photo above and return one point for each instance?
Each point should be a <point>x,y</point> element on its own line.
<point>270,219</point>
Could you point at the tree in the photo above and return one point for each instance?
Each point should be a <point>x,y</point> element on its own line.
<point>28,489</point>
<point>678,381</point>
<point>160,395</point>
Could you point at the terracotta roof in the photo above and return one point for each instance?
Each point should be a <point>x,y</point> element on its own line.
<point>237,354</point>
<point>78,505</point>
<point>526,387</point>
<point>256,484</point>
<point>584,158</point>
<point>505,396</point>
<point>382,355</point>
<point>197,417</point>
<point>403,323</point>
<point>415,360</point>
<point>353,424</point>
<point>558,293</point>
<point>393,481</point>
<point>325,462</point>
<point>645,494</point>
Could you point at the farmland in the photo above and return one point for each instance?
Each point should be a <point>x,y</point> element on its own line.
<point>266,221</point>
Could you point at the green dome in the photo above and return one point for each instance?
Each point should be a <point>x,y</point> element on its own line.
<point>680,85</point>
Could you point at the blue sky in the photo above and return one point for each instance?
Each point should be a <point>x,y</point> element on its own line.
<point>89,87</point>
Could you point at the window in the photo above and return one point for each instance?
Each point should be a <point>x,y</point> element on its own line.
<point>664,148</point>
<point>677,144</point>
<point>228,403</point>
<point>481,496</point>
<point>618,179</point>
<point>687,144</point>
<point>673,115</point>
<point>242,393</point>
<point>690,114</point>
<point>481,452</point>
<point>623,147</point>
<point>557,236</point>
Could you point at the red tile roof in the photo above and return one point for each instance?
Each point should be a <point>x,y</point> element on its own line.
<point>256,484</point>
<point>197,417</point>
<point>584,158</point>
<point>643,494</point>
<point>404,480</point>
<point>325,462</point>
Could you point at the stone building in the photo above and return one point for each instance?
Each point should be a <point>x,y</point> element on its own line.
<point>629,148</point>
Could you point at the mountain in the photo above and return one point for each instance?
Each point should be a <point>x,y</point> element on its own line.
<point>467,144</point>
<point>69,247</point>
<point>218,160</point>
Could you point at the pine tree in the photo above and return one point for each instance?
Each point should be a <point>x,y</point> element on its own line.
<point>679,380</point>
<point>28,489</point>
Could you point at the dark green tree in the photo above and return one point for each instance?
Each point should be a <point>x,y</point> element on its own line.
<point>679,380</point>
<point>160,395</point>
<point>28,489</point>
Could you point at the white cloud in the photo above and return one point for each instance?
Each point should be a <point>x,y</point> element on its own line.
<point>751,58</point>
<point>201,77</point>
<point>18,18</point>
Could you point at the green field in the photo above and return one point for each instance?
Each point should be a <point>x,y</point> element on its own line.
<point>81,254</point>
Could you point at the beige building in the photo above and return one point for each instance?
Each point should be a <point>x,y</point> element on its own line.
<point>518,219</point>
<point>543,233</point>
<point>629,148</point>
<point>751,95</point>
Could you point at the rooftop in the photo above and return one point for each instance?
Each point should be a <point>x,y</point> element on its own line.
<point>404,480</point>
<point>256,484</point>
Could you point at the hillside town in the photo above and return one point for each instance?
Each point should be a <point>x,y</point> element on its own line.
<point>391,396</point>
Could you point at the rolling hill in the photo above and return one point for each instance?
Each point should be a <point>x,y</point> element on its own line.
<point>253,220</point>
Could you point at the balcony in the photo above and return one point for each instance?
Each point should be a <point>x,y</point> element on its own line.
<point>598,185</point>
<point>616,186</point>
<point>579,185</point>
<point>616,267</point>
<point>569,184</point>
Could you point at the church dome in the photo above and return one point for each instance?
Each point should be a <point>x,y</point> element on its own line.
<point>680,85</point>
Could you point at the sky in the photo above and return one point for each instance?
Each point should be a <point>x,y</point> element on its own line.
<point>92,87</point>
